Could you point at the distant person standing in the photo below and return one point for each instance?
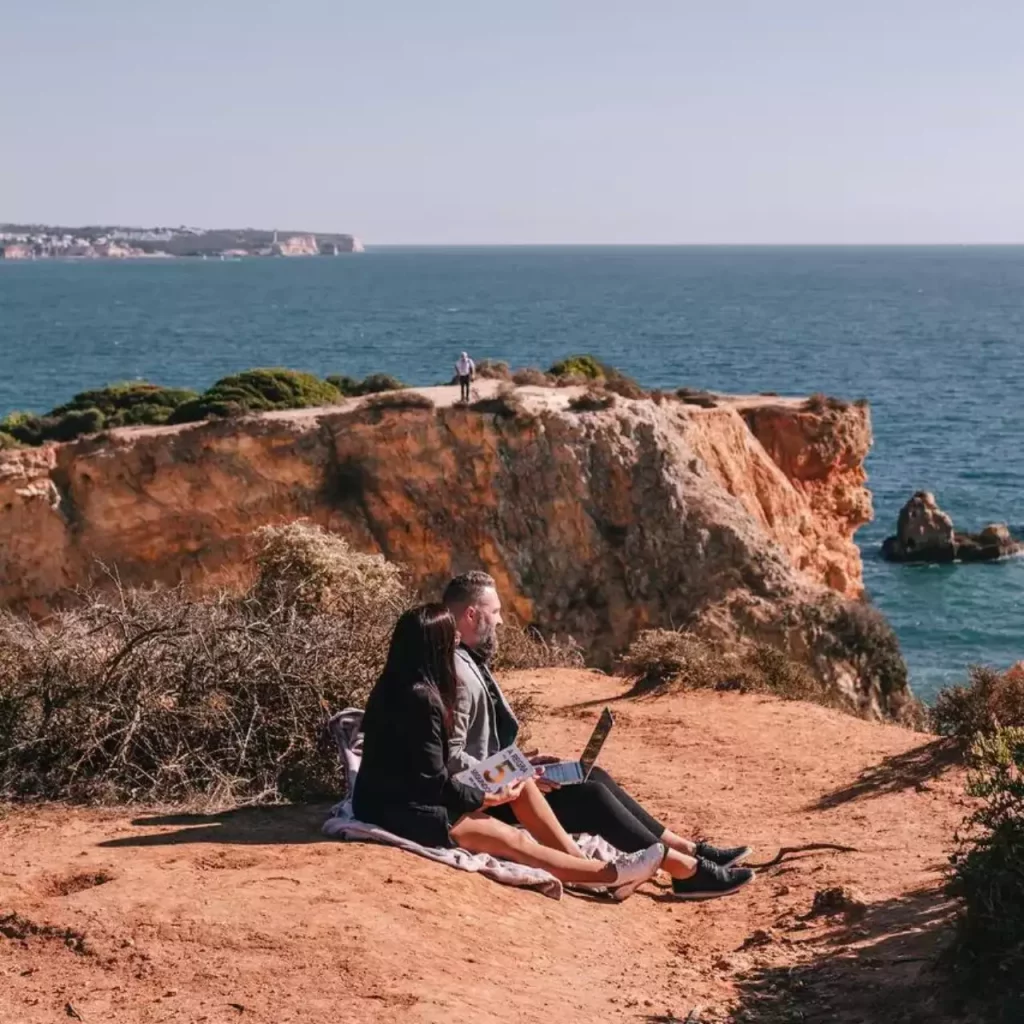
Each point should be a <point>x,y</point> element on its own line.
<point>464,370</point>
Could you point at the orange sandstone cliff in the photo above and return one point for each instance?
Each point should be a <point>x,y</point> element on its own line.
<point>731,520</point>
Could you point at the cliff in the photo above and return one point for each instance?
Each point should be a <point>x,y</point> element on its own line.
<point>733,519</point>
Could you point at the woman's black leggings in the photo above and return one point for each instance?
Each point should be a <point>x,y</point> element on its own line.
<point>602,807</point>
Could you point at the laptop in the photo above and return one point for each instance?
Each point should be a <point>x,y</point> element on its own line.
<point>567,773</point>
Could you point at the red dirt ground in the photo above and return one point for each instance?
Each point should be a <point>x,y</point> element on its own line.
<point>252,915</point>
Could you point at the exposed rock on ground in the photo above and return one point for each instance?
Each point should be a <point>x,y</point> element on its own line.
<point>725,520</point>
<point>924,533</point>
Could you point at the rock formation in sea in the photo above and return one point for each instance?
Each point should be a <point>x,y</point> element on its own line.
<point>924,533</point>
<point>736,520</point>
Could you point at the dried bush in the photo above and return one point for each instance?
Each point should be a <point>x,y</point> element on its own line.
<point>592,400</point>
<point>300,565</point>
<point>350,387</point>
<point>820,403</point>
<point>158,696</point>
<point>987,955</point>
<point>505,403</point>
<point>531,377</point>
<point>8,442</point>
<point>523,647</point>
<point>991,700</point>
<point>399,400</point>
<point>489,369</point>
<point>661,659</point>
<point>694,396</point>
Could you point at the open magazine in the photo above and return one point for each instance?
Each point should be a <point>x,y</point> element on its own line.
<point>511,764</point>
<point>499,770</point>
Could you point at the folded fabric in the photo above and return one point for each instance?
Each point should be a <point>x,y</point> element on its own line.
<point>344,728</point>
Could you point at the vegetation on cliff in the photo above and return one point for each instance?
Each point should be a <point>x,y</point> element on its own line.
<point>159,695</point>
<point>258,391</point>
<point>133,403</point>
<point>988,876</point>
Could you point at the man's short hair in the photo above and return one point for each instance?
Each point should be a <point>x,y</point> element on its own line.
<point>467,588</point>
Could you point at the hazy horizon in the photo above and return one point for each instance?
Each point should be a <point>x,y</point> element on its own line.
<point>565,123</point>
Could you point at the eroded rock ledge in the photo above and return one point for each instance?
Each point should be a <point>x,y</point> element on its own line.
<point>732,519</point>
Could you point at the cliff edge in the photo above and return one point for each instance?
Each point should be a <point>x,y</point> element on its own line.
<point>736,519</point>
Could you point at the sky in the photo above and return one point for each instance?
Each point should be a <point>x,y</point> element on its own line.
<point>533,122</point>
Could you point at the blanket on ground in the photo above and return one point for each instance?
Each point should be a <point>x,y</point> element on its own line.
<point>345,728</point>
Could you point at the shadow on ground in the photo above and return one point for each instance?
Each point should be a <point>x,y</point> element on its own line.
<point>883,969</point>
<point>913,768</point>
<point>243,826</point>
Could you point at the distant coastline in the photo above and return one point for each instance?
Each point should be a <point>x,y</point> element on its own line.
<point>45,241</point>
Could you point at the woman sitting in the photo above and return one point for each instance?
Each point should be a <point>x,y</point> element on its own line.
<point>403,784</point>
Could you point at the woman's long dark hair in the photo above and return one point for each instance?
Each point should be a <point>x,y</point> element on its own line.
<point>423,648</point>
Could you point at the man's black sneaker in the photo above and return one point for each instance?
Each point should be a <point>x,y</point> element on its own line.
<point>711,881</point>
<point>724,858</point>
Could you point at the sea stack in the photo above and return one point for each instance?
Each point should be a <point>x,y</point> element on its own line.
<point>924,533</point>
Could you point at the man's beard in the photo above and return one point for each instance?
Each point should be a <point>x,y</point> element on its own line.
<point>486,645</point>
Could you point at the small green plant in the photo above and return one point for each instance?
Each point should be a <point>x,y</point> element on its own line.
<point>988,875</point>
<point>350,387</point>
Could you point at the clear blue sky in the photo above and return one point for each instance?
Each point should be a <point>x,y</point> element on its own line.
<point>474,121</point>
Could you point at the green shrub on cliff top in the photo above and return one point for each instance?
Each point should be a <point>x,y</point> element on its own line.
<point>128,404</point>
<point>260,390</point>
<point>583,368</point>
<point>132,403</point>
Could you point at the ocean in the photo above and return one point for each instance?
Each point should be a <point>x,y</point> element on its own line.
<point>933,337</point>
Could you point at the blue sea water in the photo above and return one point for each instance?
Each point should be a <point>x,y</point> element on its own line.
<point>934,337</point>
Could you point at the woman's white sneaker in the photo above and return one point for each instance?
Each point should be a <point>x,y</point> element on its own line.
<point>634,869</point>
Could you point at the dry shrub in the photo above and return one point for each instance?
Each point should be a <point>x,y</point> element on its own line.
<point>662,660</point>
<point>505,404</point>
<point>570,380</point>
<point>991,700</point>
<point>531,377</point>
<point>820,403</point>
<point>300,565</point>
<point>626,387</point>
<point>523,647</point>
<point>489,369</point>
<point>158,696</point>
<point>694,396</point>
<point>592,400</point>
<point>405,399</point>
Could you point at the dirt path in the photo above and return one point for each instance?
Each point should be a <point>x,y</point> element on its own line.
<point>252,916</point>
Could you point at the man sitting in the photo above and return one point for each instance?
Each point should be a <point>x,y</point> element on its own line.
<point>484,723</point>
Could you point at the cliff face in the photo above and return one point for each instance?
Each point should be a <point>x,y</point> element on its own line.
<point>594,524</point>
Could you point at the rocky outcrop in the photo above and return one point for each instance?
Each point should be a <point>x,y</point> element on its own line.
<point>924,533</point>
<point>597,524</point>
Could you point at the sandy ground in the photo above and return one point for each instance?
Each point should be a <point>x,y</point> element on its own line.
<point>132,918</point>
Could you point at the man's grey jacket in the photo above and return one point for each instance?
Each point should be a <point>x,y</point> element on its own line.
<point>483,722</point>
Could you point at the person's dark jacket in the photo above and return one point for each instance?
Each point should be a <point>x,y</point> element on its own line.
<point>403,783</point>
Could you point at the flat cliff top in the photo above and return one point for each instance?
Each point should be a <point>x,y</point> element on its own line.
<point>442,396</point>
<point>254,916</point>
